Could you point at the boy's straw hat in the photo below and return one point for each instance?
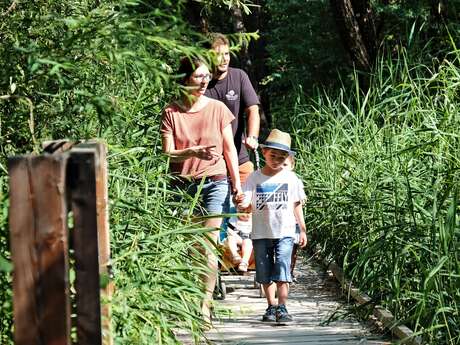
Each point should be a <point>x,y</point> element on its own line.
<point>278,140</point>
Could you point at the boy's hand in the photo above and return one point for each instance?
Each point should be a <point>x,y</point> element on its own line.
<point>244,208</point>
<point>302,239</point>
<point>245,217</point>
<point>238,198</point>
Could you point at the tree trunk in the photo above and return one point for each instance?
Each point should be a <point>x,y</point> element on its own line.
<point>366,21</point>
<point>239,27</point>
<point>351,33</point>
<point>196,16</point>
<point>257,21</point>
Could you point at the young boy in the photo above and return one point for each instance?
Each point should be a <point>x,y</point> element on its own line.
<point>274,196</point>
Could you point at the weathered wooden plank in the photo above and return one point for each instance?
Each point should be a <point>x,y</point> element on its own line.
<point>107,286</point>
<point>22,237</point>
<point>38,228</point>
<point>312,301</point>
<point>58,146</point>
<point>102,201</point>
<point>406,335</point>
<point>82,186</point>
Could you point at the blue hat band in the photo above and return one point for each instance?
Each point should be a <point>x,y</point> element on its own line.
<point>276,146</point>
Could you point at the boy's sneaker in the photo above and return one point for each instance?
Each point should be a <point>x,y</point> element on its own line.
<point>270,314</point>
<point>282,315</point>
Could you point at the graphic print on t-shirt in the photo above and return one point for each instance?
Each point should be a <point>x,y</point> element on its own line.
<point>271,196</point>
<point>231,95</point>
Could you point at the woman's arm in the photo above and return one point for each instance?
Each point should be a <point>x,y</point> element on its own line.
<point>231,158</point>
<point>201,151</point>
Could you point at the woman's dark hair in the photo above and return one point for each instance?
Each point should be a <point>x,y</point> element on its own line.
<point>187,66</point>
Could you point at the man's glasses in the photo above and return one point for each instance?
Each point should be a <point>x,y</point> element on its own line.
<point>202,77</point>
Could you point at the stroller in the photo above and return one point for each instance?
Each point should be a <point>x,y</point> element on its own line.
<point>231,243</point>
<point>233,238</point>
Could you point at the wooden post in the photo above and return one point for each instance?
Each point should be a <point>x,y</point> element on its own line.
<point>40,188</point>
<point>82,187</point>
<point>39,248</point>
<point>102,200</point>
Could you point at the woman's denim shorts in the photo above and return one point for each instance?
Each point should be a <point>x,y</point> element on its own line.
<point>273,259</point>
<point>214,194</point>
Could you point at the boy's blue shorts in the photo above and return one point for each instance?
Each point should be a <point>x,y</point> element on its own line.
<point>273,259</point>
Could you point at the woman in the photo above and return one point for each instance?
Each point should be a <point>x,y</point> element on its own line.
<point>197,135</point>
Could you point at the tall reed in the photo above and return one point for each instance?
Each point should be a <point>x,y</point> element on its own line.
<point>382,169</point>
<point>157,265</point>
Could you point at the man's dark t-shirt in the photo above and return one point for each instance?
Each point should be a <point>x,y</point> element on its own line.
<point>236,91</point>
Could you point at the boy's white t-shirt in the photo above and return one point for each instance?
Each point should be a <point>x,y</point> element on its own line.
<point>272,199</point>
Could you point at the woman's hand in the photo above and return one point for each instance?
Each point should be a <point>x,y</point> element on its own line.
<point>237,193</point>
<point>238,196</point>
<point>204,152</point>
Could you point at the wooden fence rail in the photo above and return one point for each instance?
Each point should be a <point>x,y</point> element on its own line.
<point>46,252</point>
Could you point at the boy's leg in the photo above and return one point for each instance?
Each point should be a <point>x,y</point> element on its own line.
<point>282,276</point>
<point>282,259</point>
<point>246,251</point>
<point>270,293</point>
<point>283,292</point>
<point>232,244</point>
<point>263,254</point>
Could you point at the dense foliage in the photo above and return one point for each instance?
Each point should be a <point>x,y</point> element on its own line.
<point>382,170</point>
<point>306,52</point>
<point>85,69</point>
<point>380,158</point>
<point>300,31</point>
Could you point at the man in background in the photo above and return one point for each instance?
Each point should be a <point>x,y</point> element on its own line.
<point>233,87</point>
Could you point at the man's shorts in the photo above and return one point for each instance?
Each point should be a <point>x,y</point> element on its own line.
<point>273,259</point>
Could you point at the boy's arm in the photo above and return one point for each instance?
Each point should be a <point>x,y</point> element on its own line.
<point>298,212</point>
